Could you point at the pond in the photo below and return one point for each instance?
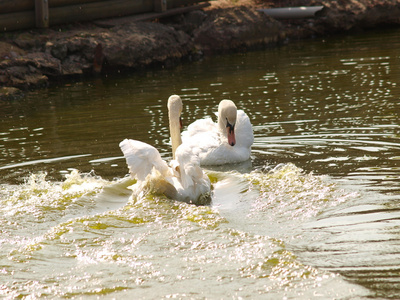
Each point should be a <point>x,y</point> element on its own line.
<point>315,213</point>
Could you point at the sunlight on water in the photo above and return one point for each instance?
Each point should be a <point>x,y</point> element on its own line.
<point>294,194</point>
<point>38,196</point>
<point>313,214</point>
<point>150,243</point>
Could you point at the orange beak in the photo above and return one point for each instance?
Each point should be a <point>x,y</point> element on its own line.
<point>231,134</point>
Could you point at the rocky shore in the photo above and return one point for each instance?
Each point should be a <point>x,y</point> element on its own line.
<point>35,58</point>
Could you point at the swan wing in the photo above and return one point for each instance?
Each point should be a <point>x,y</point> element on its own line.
<point>204,138</point>
<point>244,130</point>
<point>195,184</point>
<point>141,158</point>
<point>205,125</point>
<point>187,163</point>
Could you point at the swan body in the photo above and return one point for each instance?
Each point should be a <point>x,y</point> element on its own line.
<point>182,180</point>
<point>227,141</point>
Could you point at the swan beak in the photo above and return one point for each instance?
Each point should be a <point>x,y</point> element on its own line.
<point>231,134</point>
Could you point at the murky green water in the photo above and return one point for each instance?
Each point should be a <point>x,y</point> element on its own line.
<point>315,214</point>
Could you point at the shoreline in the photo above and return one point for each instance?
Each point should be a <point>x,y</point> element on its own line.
<point>34,59</point>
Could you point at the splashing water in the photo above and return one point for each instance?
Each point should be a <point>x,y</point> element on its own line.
<point>71,244</point>
<point>289,192</point>
<point>329,106</point>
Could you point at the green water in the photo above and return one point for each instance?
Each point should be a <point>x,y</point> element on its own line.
<point>314,214</point>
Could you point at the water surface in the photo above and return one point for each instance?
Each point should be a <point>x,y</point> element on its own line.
<point>313,214</point>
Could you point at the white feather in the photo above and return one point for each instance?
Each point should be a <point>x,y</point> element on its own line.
<point>183,180</point>
<point>209,142</point>
<point>141,158</point>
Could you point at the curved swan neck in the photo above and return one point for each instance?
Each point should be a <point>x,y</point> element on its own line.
<point>174,113</point>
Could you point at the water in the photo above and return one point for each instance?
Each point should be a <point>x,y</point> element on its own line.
<point>314,214</point>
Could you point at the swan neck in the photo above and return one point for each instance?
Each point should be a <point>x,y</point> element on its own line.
<point>222,124</point>
<point>175,133</point>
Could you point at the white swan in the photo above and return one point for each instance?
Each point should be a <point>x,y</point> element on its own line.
<point>183,180</point>
<point>227,141</point>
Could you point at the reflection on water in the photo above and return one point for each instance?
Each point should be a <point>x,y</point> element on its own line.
<point>315,212</point>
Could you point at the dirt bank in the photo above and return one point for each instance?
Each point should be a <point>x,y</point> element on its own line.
<point>34,58</point>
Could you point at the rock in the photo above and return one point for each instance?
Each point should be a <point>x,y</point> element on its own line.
<point>144,44</point>
<point>236,28</point>
<point>22,77</point>
<point>188,22</point>
<point>29,70</point>
<point>9,51</point>
<point>58,50</point>
<point>343,16</point>
<point>10,93</point>
<point>44,63</point>
<point>34,57</point>
<point>75,65</point>
<point>31,40</point>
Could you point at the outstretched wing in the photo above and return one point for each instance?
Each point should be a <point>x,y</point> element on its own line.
<point>141,158</point>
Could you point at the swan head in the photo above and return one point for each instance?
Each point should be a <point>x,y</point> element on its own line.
<point>175,108</point>
<point>227,113</point>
